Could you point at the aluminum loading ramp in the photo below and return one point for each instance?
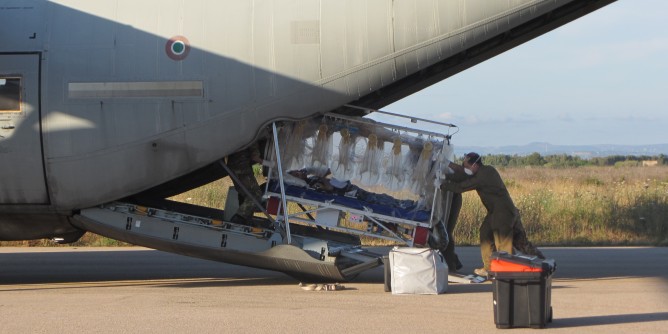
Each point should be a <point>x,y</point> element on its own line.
<point>314,255</point>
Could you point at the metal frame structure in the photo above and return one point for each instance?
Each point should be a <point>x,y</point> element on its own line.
<point>377,226</point>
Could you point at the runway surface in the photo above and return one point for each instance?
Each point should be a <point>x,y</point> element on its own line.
<point>136,290</point>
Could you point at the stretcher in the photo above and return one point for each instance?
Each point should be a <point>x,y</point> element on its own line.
<point>350,215</point>
<point>398,224</point>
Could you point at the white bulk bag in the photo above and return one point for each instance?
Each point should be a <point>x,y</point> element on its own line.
<point>418,271</point>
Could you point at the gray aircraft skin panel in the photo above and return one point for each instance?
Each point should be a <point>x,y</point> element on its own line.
<point>24,182</point>
<point>133,94</point>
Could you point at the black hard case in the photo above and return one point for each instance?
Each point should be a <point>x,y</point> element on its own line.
<point>522,299</point>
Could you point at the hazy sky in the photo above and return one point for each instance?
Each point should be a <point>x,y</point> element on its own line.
<point>602,79</point>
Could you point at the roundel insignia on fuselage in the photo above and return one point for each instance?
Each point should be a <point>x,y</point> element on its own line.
<point>177,48</point>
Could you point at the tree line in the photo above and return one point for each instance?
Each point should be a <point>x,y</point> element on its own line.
<point>565,160</point>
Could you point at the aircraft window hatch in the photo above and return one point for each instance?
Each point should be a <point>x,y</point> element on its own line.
<point>10,94</point>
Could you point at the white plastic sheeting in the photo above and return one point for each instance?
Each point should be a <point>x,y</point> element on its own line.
<point>368,154</point>
<point>418,271</point>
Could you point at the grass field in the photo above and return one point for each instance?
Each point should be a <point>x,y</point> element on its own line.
<point>582,206</point>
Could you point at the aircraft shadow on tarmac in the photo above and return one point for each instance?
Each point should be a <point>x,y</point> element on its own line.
<point>615,319</point>
<point>95,266</point>
<point>582,263</point>
<point>106,266</point>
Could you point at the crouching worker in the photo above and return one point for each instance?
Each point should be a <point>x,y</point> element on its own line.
<point>502,229</point>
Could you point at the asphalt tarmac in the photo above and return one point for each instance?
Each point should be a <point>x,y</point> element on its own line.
<point>136,290</point>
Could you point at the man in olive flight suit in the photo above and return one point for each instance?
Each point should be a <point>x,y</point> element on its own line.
<point>241,163</point>
<point>502,228</point>
<point>449,253</point>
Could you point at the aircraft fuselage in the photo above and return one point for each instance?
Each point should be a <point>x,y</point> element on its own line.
<point>100,100</point>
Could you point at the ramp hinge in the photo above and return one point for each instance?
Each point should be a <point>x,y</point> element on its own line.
<point>223,241</point>
<point>128,224</point>
<point>175,236</point>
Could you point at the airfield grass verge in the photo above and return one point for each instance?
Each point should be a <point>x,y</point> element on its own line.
<point>580,206</point>
<point>583,206</point>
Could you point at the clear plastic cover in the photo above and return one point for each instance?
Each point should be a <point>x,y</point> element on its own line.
<point>395,161</point>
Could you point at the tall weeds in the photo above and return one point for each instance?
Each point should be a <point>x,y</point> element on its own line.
<point>582,206</point>
<point>569,207</point>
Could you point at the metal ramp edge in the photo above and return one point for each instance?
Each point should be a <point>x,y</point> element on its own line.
<point>226,242</point>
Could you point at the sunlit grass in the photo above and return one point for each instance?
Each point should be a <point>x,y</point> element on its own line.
<point>212,195</point>
<point>571,206</point>
<point>582,206</point>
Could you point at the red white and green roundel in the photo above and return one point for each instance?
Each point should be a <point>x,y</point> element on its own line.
<point>177,48</point>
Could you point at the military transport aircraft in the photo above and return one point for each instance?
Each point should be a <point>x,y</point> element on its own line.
<point>108,107</point>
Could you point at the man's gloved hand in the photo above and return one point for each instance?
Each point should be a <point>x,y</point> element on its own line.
<point>445,183</point>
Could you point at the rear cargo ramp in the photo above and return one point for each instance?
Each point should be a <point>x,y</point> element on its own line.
<point>215,240</point>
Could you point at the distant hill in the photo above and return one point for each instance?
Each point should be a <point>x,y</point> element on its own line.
<point>583,151</point>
